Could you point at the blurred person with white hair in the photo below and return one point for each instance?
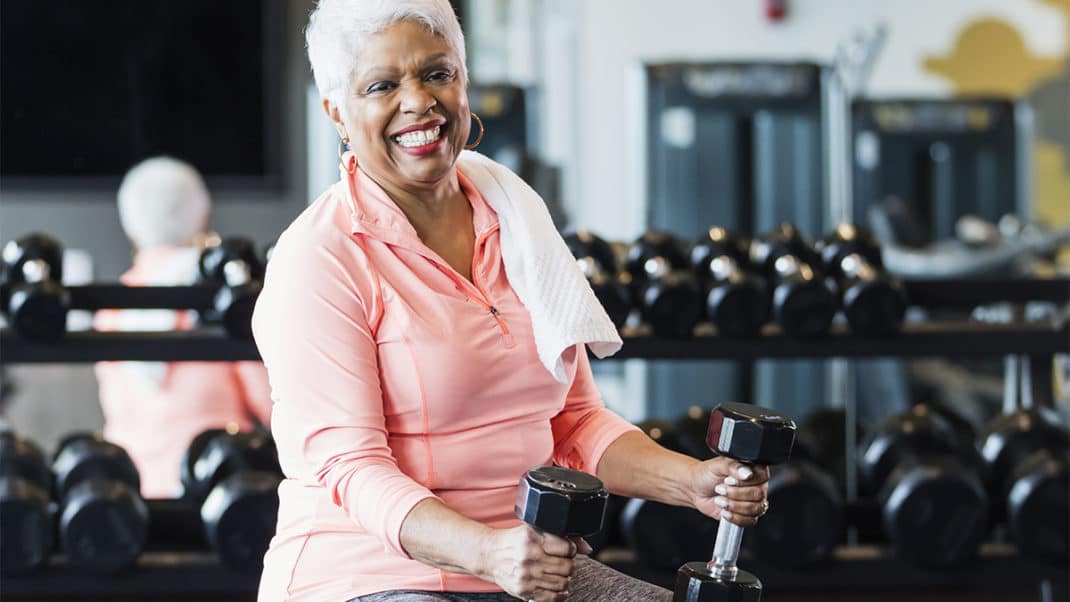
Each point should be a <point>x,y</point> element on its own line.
<point>426,332</point>
<point>154,409</point>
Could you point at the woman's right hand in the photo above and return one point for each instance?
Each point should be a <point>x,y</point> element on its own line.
<point>529,564</point>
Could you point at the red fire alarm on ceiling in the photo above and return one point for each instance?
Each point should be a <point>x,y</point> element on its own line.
<point>776,10</point>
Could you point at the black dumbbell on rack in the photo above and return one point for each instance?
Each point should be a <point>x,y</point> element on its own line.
<point>804,301</point>
<point>598,262</point>
<point>665,291</point>
<point>31,293</point>
<point>934,508</point>
<point>1028,454</point>
<point>737,300</point>
<point>26,512</point>
<point>103,521</point>
<point>235,266</point>
<point>234,478</point>
<point>751,435</point>
<point>661,535</point>
<point>807,510</point>
<point>873,302</point>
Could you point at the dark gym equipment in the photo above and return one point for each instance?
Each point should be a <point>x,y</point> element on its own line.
<point>806,507</point>
<point>751,435</point>
<point>873,302</point>
<point>933,505</point>
<point>661,535</point>
<point>562,501</point>
<point>103,521</point>
<point>1027,452</point>
<point>599,264</point>
<point>667,294</point>
<point>235,479</point>
<point>235,265</point>
<point>26,516</point>
<point>804,302</point>
<point>737,301</point>
<point>32,296</point>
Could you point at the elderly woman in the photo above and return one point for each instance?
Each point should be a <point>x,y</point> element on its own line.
<point>424,330</point>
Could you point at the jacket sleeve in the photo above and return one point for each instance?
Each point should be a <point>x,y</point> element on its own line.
<point>585,428</point>
<point>311,325</point>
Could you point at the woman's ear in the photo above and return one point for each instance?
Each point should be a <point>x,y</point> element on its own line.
<point>335,116</point>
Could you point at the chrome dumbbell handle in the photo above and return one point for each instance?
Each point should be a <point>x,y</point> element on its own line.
<point>726,550</point>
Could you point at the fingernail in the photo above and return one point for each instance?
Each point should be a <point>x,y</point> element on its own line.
<point>726,515</point>
<point>744,473</point>
<point>730,481</point>
<point>721,489</point>
<point>720,501</point>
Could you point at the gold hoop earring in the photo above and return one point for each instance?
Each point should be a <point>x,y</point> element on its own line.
<point>479,138</point>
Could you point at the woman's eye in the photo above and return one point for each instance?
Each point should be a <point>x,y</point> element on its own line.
<point>379,87</point>
<point>439,75</point>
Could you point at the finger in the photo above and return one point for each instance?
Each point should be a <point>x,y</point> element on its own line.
<point>744,520</point>
<point>558,546</point>
<point>555,565</point>
<point>582,547</point>
<point>542,595</point>
<point>755,493</point>
<point>553,583</point>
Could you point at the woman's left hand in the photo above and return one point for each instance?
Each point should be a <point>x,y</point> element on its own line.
<point>725,488</point>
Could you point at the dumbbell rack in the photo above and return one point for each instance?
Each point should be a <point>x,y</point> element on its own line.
<point>196,574</point>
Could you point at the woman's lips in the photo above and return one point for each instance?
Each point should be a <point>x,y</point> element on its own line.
<point>424,149</point>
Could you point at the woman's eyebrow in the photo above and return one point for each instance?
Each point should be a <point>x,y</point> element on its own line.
<point>372,71</point>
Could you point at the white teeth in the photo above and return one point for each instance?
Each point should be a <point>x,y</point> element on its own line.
<point>419,137</point>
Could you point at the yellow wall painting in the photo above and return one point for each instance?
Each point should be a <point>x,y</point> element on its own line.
<point>991,57</point>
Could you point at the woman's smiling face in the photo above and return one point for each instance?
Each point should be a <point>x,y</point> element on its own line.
<point>406,108</point>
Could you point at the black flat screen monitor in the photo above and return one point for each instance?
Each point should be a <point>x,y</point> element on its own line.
<point>88,88</point>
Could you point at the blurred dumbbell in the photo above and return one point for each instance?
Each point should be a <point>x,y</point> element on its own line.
<point>807,511</point>
<point>750,435</point>
<point>660,535</point>
<point>561,501</point>
<point>1027,452</point>
<point>737,300</point>
<point>32,295</point>
<point>804,302</point>
<point>665,290</point>
<point>103,521</point>
<point>26,515</point>
<point>933,504</point>
<point>598,262</point>
<point>235,266</point>
<point>872,300</point>
<point>234,478</point>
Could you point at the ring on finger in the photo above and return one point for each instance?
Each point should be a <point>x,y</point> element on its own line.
<point>765,507</point>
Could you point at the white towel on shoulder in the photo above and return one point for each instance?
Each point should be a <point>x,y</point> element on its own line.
<point>564,311</point>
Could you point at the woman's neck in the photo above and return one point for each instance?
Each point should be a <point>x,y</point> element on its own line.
<point>429,205</point>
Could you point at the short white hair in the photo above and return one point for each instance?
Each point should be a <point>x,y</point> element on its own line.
<point>337,30</point>
<point>163,202</point>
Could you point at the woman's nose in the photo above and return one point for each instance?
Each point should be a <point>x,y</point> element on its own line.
<point>416,99</point>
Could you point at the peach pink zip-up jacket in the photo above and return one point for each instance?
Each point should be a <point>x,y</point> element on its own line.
<point>394,380</point>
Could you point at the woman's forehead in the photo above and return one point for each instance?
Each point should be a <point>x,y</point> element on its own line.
<point>403,45</point>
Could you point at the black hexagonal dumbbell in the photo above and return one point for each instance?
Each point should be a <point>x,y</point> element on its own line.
<point>751,435</point>
<point>103,521</point>
<point>737,300</point>
<point>934,508</point>
<point>32,296</point>
<point>804,301</point>
<point>235,266</point>
<point>26,514</point>
<point>665,291</point>
<point>598,262</point>
<point>234,478</point>
<point>562,501</point>
<point>1027,452</point>
<point>872,300</point>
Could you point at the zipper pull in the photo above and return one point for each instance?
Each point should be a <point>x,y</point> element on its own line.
<point>494,311</point>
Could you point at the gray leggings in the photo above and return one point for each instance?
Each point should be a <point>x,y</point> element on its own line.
<point>592,581</point>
